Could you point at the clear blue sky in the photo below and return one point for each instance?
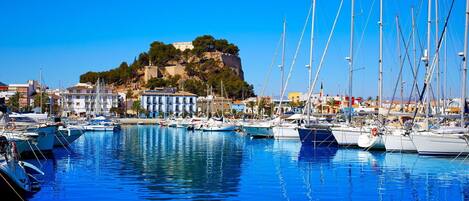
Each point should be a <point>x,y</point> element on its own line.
<point>68,38</point>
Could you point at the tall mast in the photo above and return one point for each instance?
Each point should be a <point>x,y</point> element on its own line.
<point>427,57</point>
<point>282,66</point>
<point>437,59</point>
<point>40,90</point>
<point>444,74</point>
<point>310,66</point>
<point>380,76</point>
<point>463,94</point>
<point>400,62</point>
<point>350,60</point>
<point>414,46</point>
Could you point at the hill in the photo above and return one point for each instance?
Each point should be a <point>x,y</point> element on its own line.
<point>204,62</point>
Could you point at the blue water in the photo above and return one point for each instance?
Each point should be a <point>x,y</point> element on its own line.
<point>153,163</point>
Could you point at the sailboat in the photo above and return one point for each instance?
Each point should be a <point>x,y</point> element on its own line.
<point>446,140</point>
<point>221,124</point>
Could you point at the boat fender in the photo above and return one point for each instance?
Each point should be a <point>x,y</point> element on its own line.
<point>374,132</point>
<point>14,150</point>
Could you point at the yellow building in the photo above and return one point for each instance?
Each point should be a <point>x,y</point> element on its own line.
<point>294,97</point>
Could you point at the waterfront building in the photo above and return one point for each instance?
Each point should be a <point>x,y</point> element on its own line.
<point>85,99</point>
<point>3,87</point>
<point>295,97</point>
<point>238,106</point>
<point>162,102</point>
<point>26,91</point>
<point>214,105</point>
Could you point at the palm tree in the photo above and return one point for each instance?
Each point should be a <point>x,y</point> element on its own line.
<point>251,105</point>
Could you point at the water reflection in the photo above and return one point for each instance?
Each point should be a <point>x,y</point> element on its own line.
<point>149,162</point>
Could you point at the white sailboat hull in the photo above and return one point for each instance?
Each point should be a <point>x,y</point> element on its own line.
<point>285,132</point>
<point>219,128</point>
<point>347,136</point>
<point>437,144</point>
<point>397,142</point>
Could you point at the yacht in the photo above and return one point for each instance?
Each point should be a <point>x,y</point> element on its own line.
<point>101,124</point>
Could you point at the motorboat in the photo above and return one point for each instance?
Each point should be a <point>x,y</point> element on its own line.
<point>101,124</point>
<point>15,183</point>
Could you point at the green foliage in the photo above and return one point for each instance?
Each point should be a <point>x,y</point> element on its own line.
<point>14,102</point>
<point>45,100</point>
<point>207,43</point>
<point>136,107</point>
<point>195,86</point>
<point>171,81</point>
<point>160,53</point>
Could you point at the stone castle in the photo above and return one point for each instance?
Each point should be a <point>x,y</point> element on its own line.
<point>176,68</point>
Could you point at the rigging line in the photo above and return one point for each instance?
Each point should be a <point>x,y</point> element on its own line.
<point>294,60</point>
<point>324,53</point>
<point>407,45</point>
<point>429,73</point>
<point>274,58</point>
<point>357,51</point>
<point>401,66</point>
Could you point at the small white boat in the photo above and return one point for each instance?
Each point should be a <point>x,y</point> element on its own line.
<point>221,125</point>
<point>372,140</point>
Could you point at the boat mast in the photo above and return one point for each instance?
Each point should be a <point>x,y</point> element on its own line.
<point>463,94</point>
<point>350,60</point>
<point>445,75</point>
<point>310,65</point>
<point>40,91</point>
<point>282,65</point>
<point>437,55</point>
<point>380,76</point>
<point>400,62</point>
<point>415,51</point>
<point>427,56</point>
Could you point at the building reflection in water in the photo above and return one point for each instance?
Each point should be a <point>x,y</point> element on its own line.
<point>197,165</point>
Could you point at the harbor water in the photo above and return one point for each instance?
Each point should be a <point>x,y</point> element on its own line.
<point>157,163</point>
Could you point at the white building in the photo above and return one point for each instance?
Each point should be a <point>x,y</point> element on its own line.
<point>166,101</point>
<point>81,100</point>
<point>183,45</point>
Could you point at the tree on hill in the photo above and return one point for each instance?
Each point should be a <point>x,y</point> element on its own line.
<point>207,43</point>
<point>160,54</point>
